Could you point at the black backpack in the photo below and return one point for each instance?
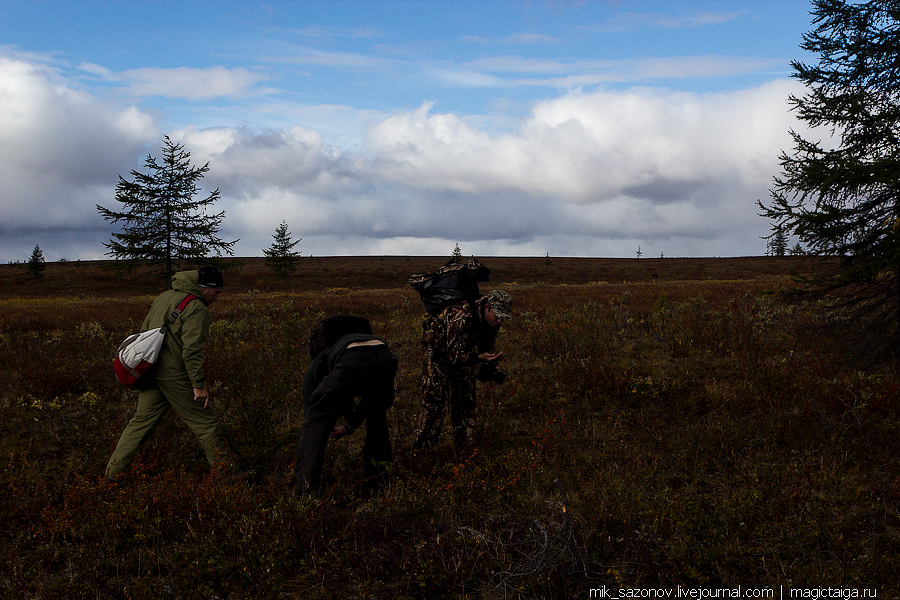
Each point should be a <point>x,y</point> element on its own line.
<point>331,329</point>
<point>451,283</point>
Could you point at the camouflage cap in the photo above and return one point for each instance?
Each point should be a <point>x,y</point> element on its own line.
<point>501,303</point>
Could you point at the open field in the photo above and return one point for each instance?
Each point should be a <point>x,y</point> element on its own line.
<point>387,272</point>
<point>666,422</point>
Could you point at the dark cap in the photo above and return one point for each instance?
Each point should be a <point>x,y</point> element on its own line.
<point>210,277</point>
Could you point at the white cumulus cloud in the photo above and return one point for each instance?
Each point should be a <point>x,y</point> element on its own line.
<point>595,173</point>
<point>59,147</point>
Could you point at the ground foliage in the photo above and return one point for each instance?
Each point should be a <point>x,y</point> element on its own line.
<point>652,432</point>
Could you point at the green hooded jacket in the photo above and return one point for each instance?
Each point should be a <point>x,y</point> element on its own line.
<point>181,356</point>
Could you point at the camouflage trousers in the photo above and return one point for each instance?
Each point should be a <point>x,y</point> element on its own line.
<point>442,385</point>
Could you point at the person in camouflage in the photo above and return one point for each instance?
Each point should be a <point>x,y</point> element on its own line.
<point>456,340</point>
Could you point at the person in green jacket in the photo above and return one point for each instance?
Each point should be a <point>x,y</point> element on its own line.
<point>348,363</point>
<point>179,381</point>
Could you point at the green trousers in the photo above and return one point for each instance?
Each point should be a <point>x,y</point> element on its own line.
<point>153,404</point>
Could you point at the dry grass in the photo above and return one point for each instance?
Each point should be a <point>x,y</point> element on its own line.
<point>665,422</point>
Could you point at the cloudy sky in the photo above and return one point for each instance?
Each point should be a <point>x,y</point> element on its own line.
<point>574,128</point>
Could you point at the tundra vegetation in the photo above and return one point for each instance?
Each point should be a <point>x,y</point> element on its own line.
<point>665,422</point>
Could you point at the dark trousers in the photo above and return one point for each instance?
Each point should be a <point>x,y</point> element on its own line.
<point>364,372</point>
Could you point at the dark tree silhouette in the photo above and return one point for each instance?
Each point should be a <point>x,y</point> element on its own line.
<point>841,197</point>
<point>280,256</point>
<point>162,220</point>
<point>36,264</point>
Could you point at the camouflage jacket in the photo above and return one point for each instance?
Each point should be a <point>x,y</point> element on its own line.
<point>458,333</point>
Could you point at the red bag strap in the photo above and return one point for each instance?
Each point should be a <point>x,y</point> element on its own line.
<point>187,300</point>
<point>180,308</point>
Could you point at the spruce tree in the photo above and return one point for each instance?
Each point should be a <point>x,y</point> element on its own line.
<point>778,241</point>
<point>36,264</point>
<point>841,197</point>
<point>162,220</point>
<point>280,256</point>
